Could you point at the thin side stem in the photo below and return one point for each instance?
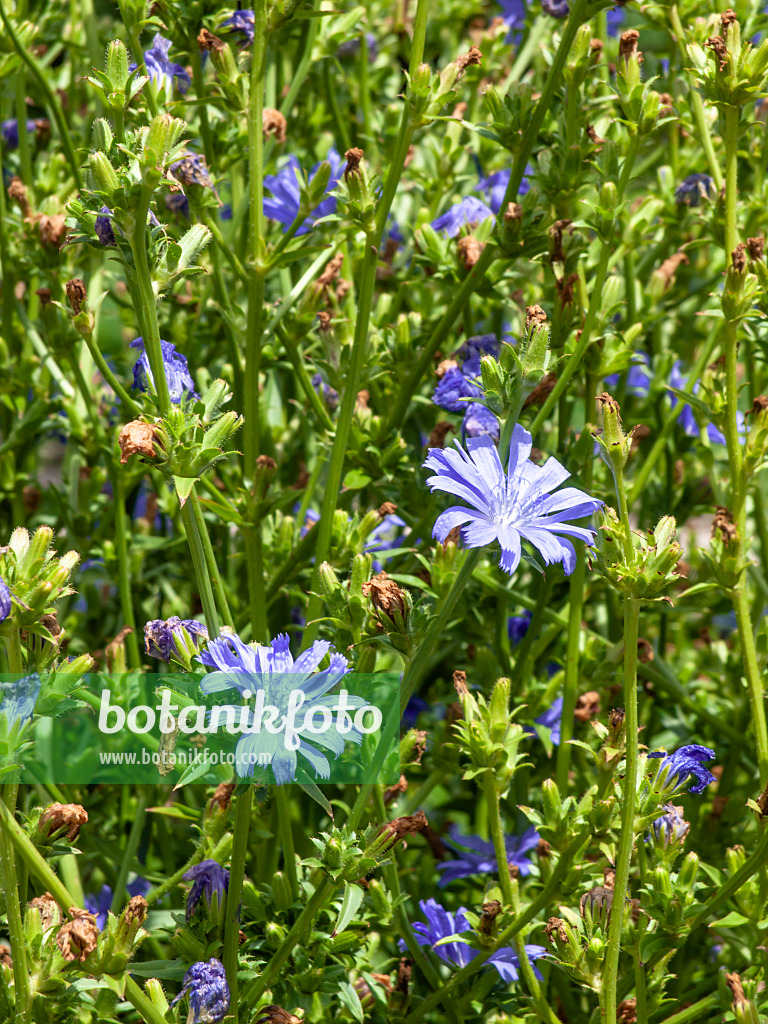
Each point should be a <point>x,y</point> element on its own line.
<point>234,895</point>
<point>123,569</point>
<point>194,539</point>
<point>119,893</point>
<point>13,913</point>
<point>217,584</point>
<point>286,837</point>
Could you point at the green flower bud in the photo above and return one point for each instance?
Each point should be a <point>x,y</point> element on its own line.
<point>281,891</point>
<point>689,871</point>
<point>615,445</point>
<point>380,900</point>
<point>103,136</point>
<point>116,64</point>
<point>553,804</point>
<point>332,854</point>
<point>154,990</point>
<point>274,934</point>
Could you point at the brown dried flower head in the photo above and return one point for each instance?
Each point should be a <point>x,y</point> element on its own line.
<point>491,911</point>
<point>587,706</point>
<point>76,294</point>
<point>534,316</point>
<point>555,926</point>
<point>353,157</point>
<point>724,525</point>
<point>52,228</point>
<point>222,796</point>
<point>273,123</point>
<point>58,817</point>
<point>755,247</point>
<point>5,956</point>
<point>386,596</point>
<point>209,42</point>
<point>77,938</point>
<point>49,910</point>
<point>472,56</point>
<point>470,249</point>
<point>400,828</point>
<point>137,438</point>
<point>626,1011</point>
<point>136,910</point>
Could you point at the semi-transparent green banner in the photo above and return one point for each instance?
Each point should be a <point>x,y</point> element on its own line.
<point>200,728</point>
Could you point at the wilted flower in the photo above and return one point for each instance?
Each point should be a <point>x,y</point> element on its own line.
<point>273,668</point>
<point>77,938</point>
<point>452,387</point>
<point>441,924</point>
<point>209,877</point>
<point>479,421</point>
<point>477,856</point>
<point>469,211</point>
<point>100,905</point>
<point>242,23</point>
<point>286,196</point>
<point>60,817</point>
<point>686,762</point>
<point>159,635</point>
<point>18,699</point>
<point>192,170</point>
<point>510,507</point>
<point>693,188</point>
<point>205,983</point>
<point>671,827</point>
<point>160,69</point>
<point>103,227</point>
<point>180,383</point>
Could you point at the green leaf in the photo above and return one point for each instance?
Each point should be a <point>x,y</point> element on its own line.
<point>355,480</point>
<point>353,897</point>
<point>351,1000</point>
<point>184,485</point>
<point>732,920</point>
<point>318,796</point>
<point>165,970</point>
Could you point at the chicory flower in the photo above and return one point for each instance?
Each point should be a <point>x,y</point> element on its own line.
<point>242,23</point>
<point>477,856</point>
<point>693,189</point>
<point>161,70</point>
<point>469,211</point>
<point>205,983</point>
<point>208,878</point>
<point>180,383</point>
<point>284,204</point>
<point>684,764</point>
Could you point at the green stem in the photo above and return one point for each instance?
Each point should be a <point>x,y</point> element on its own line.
<point>235,894</point>
<point>286,837</point>
<point>570,686</point>
<point>544,1011</point>
<point>36,863</point>
<point>13,913</point>
<point>119,893</point>
<point>627,834</point>
<point>141,1003</point>
<point>417,668</point>
<point>217,584</point>
<point>497,835</point>
<point>202,576</point>
<point>130,407</point>
<point>694,1013</point>
<point>372,243</point>
<point>300,372</point>
<point>123,569</point>
<point>52,101</point>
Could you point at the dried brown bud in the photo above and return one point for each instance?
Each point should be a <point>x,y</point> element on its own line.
<point>329,275</point>
<point>739,258</point>
<point>491,911</point>
<point>755,247</point>
<point>596,46</point>
<point>274,123</point>
<point>44,294</point>
<point>403,975</point>
<point>460,683</point>
<point>628,45</point>
<point>222,796</point>
<point>724,524</point>
<point>275,1015</point>
<point>76,294</point>
<point>668,268</point>
<point>645,651</point>
<point>543,849</point>
<point>534,316</point>
<point>361,400</point>
<point>77,938</point>
<point>555,926</point>
<point>136,438</point>
<point>598,898</point>
<point>513,212</point>
<point>556,240</point>
<point>325,320</point>
<point>353,157</point>
<point>387,508</point>
<point>728,17</point>
<point>626,1011</point>
<point>666,104</point>
<point>208,41</point>
<point>539,394</point>
<point>438,433</point>
<point>392,792</point>
<point>718,47</point>
<point>472,56</point>
<point>399,828</point>
<point>386,596</point>
<point>136,910</point>
<point>587,706</point>
<point>52,229</point>
<point>565,288</point>
<point>18,190</point>
<point>470,249</point>
<point>49,910</point>
<point>593,136</point>
<point>266,462</point>
<point>609,876</point>
<point>62,816</point>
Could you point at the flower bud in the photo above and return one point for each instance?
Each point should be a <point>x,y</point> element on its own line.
<point>116,64</point>
<point>281,891</point>
<point>104,175</point>
<point>103,136</point>
<point>553,804</point>
<point>689,871</point>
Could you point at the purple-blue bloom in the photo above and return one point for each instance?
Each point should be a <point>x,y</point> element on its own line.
<point>103,227</point>
<point>686,762</point>
<point>241,22</point>
<point>551,719</point>
<point>10,132</point>
<point>161,70</point>
<point>638,378</point>
<point>180,383</point>
<point>517,626</point>
<point>614,20</point>
<point>17,700</point>
<point>467,212</point>
<point>5,600</point>
<point>208,877</point>
<point>511,507</point>
<point>495,186</point>
<point>477,856</point>
<point>687,420</point>
<point>100,905</point>
<point>671,827</point>
<point>273,670</point>
<point>474,348</point>
<point>160,634</point>
<point>206,985</point>
<point>285,201</point>
<point>693,188</point>
<point>452,387</point>
<point>479,421</point>
<point>413,709</point>
<point>441,924</point>
<point>328,394</point>
<point>556,8</point>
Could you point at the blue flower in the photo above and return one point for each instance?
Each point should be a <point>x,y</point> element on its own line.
<point>687,420</point>
<point>241,22</point>
<point>192,170</point>
<point>328,394</point>
<point>614,20</point>
<point>452,387</point>
<point>441,924</point>
<point>495,187</point>
<point>5,600</point>
<point>638,378</point>
<point>103,227</point>
<point>10,132</point>
<point>552,720</point>
<point>205,983</point>
<point>556,8</point>
<point>474,348</point>
<point>469,211</point>
<point>160,635</point>
<point>686,762</point>
<point>477,856</point>
<point>180,383</point>
<point>513,12</point>
<point>352,46</point>
<point>517,626</point>
<point>162,71</point>
<point>177,202</point>
<point>385,537</point>
<point>693,188</point>
<point>511,507</point>
<point>671,828</point>
<point>209,877</point>
<point>479,421</point>
<point>284,186</point>
<point>413,709</point>
<point>100,906</point>
<point>18,700</point>
<point>274,670</point>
